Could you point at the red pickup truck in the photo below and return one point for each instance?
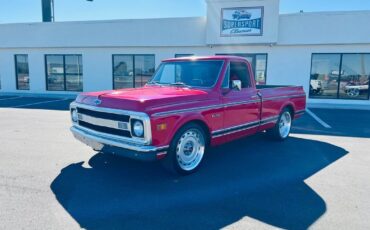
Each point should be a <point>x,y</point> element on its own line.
<point>190,104</point>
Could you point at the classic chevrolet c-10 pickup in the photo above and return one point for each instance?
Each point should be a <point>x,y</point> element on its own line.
<point>190,103</point>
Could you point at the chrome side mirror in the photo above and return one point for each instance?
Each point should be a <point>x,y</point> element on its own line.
<point>236,84</point>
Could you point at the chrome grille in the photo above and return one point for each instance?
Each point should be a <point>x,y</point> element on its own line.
<point>110,123</point>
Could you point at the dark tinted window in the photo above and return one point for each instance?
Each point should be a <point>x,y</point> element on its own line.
<point>64,72</point>
<point>354,81</point>
<point>144,69</point>
<point>324,75</point>
<point>343,76</point>
<point>22,72</point>
<point>123,71</point>
<point>183,55</point>
<point>131,71</point>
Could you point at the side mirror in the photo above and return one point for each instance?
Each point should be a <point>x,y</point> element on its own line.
<point>236,84</point>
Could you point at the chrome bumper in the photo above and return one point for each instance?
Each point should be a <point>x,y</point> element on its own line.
<point>108,144</point>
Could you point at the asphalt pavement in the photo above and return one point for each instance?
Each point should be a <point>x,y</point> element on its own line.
<point>318,178</point>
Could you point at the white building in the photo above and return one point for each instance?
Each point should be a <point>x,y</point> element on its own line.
<point>327,53</point>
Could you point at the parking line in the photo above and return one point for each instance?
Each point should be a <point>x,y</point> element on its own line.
<point>314,116</point>
<point>39,103</point>
<point>9,98</point>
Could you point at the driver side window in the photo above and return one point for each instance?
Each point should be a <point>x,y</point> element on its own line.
<point>239,71</point>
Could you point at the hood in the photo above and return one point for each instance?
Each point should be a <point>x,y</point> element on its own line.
<point>142,99</point>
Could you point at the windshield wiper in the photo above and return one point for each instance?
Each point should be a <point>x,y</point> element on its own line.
<point>180,84</point>
<point>154,83</point>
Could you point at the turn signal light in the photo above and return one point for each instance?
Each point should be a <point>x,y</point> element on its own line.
<point>162,127</point>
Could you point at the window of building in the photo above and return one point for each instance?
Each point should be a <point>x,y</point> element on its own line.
<point>259,65</point>
<point>22,72</point>
<point>64,72</point>
<point>183,55</point>
<point>132,71</point>
<point>340,76</point>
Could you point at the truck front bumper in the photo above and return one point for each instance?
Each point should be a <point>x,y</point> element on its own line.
<point>107,144</point>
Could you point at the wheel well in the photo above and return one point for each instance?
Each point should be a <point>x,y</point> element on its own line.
<point>204,126</point>
<point>291,110</point>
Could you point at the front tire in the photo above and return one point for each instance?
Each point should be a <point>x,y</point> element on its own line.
<point>283,126</point>
<point>186,150</point>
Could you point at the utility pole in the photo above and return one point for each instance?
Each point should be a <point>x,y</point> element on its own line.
<point>48,10</point>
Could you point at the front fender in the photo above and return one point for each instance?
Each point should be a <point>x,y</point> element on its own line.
<point>174,123</point>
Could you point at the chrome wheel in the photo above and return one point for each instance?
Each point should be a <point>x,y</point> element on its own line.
<point>353,92</point>
<point>190,149</point>
<point>285,124</point>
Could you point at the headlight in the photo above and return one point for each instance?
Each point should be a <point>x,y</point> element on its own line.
<point>138,128</point>
<point>74,115</point>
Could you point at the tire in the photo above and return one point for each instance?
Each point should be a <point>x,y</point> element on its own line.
<point>282,127</point>
<point>186,150</point>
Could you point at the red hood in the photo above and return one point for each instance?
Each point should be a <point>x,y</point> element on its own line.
<point>143,99</point>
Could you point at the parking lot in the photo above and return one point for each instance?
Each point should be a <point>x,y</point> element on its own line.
<point>318,178</point>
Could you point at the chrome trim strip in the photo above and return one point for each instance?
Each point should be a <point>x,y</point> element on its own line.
<point>111,136</point>
<point>243,127</point>
<point>268,121</point>
<point>235,131</point>
<point>224,105</point>
<point>241,103</point>
<point>107,110</point>
<point>282,97</point>
<point>103,122</point>
<point>99,140</point>
<point>235,127</point>
<point>187,110</point>
<point>220,106</point>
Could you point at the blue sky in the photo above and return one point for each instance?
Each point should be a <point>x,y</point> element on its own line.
<point>74,10</point>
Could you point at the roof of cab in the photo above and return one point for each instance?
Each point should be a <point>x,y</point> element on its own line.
<point>196,58</point>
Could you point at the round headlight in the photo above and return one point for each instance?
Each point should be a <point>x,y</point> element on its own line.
<point>138,128</point>
<point>74,116</point>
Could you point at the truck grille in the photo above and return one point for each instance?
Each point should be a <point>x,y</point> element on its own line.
<point>109,123</point>
<point>108,116</point>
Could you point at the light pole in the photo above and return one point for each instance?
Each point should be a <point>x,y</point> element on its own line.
<point>48,10</point>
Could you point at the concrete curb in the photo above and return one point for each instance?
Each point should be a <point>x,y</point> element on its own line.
<point>338,106</point>
<point>40,95</point>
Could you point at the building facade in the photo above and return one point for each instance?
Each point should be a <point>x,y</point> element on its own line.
<point>326,52</point>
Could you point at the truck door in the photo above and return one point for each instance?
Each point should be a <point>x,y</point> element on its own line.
<point>241,107</point>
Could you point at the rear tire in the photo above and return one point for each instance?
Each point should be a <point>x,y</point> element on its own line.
<point>186,150</point>
<point>282,127</point>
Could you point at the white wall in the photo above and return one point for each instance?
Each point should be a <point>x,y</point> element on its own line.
<point>321,28</point>
<point>113,33</point>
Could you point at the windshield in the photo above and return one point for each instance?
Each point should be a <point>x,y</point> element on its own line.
<point>188,73</point>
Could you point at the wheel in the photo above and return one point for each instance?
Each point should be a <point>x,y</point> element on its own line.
<point>186,150</point>
<point>353,92</point>
<point>282,128</point>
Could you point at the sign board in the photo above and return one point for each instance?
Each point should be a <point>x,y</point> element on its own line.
<point>242,21</point>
